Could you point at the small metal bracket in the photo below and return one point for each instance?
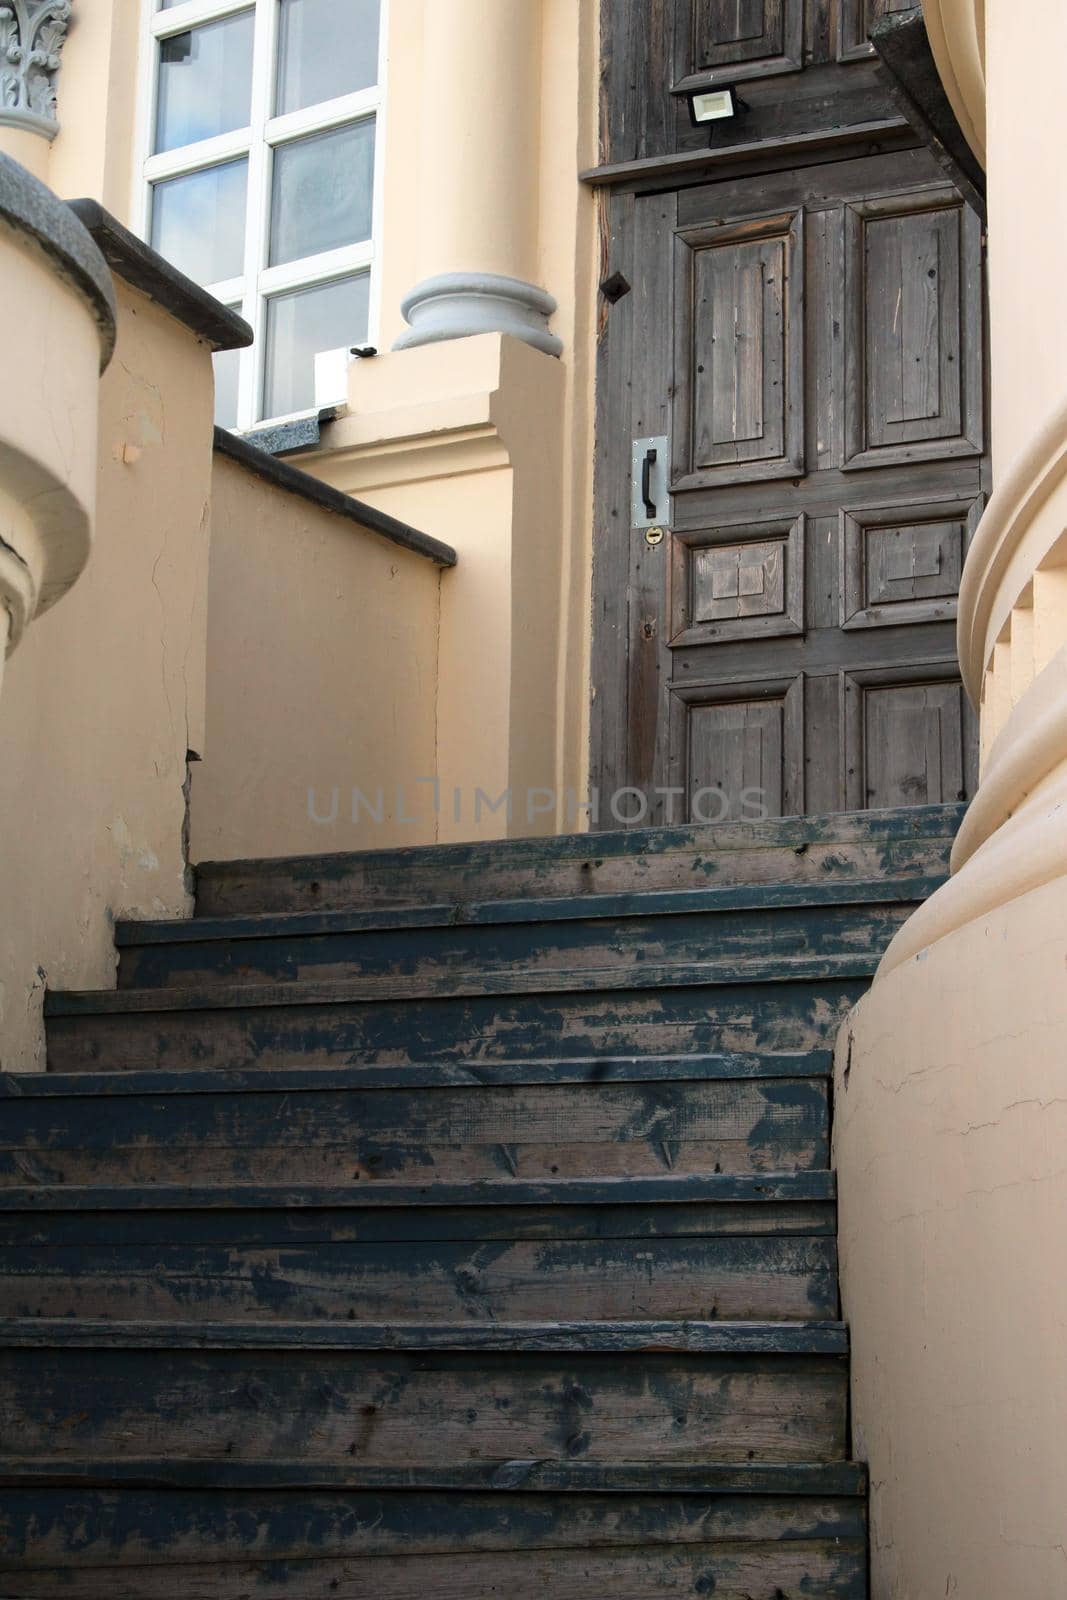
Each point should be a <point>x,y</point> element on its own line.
<point>649,479</point>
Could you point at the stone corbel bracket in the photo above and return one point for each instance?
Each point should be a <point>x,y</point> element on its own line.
<point>32,34</point>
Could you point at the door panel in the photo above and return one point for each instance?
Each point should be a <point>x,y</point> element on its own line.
<point>739,410</point>
<point>754,38</point>
<point>914,306</point>
<point>811,341</point>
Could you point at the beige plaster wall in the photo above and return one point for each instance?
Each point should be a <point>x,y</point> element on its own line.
<point>467,441</point>
<point>951,1148</point>
<point>951,1127</point>
<point>488,444</point>
<point>1026,120</point>
<point>322,666</point>
<point>106,692</point>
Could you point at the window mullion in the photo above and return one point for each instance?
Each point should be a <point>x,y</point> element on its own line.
<point>259,159</point>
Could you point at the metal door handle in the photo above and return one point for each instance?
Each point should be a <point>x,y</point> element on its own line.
<point>651,457</point>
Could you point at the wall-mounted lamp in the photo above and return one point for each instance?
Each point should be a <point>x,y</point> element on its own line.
<point>709,106</point>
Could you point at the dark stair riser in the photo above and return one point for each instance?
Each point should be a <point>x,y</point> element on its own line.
<point>775,1261</point>
<point>402,1546</point>
<point>399,1546</point>
<point>282,954</point>
<point>701,1019</point>
<point>400,1408</point>
<point>909,843</point>
<point>420,1135</point>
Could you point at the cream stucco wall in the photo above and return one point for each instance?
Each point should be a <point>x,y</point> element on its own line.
<point>322,658</point>
<point>950,1134</point>
<point>482,441</point>
<point>105,694</point>
<point>951,1148</point>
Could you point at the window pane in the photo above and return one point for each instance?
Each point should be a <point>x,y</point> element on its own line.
<point>326,48</point>
<point>323,192</point>
<point>227,375</point>
<point>205,81</point>
<point>198,222</point>
<point>301,324</point>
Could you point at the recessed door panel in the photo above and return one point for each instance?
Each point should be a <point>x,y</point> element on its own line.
<point>740,352</point>
<point>739,39</point>
<point>914,301</point>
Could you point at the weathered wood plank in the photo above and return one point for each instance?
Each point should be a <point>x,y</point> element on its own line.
<point>552,946</point>
<point>717,898</point>
<point>401,1408</point>
<point>419,1074</point>
<point>642,1338</point>
<point>39,1526</point>
<point>829,1478</point>
<point>372,987</point>
<point>617,1279</point>
<point>308,1206</point>
<point>450,1135</point>
<point>911,842</point>
<point>827,1568</point>
<point>787,1015</point>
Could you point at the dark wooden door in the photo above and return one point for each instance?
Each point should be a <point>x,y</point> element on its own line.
<point>810,343</point>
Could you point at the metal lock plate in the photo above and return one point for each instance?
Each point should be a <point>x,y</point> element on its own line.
<point>653,535</point>
<point>649,479</point>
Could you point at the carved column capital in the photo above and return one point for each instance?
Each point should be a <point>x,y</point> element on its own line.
<point>32,34</point>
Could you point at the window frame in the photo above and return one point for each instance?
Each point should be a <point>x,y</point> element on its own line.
<point>258,282</point>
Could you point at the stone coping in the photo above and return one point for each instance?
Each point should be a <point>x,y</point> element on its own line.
<point>31,208</point>
<point>138,264</point>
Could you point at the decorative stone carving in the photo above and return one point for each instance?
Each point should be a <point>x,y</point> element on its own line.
<point>32,33</point>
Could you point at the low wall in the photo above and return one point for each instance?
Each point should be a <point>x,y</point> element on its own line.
<point>323,642</point>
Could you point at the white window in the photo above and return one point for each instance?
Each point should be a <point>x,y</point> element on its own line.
<point>261,180</point>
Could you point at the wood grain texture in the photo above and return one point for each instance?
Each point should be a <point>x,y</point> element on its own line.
<point>657,938</point>
<point>368,1544</point>
<point>791,850</point>
<point>401,1407</point>
<point>790,1015</point>
<point>621,1278</point>
<point>443,1135</point>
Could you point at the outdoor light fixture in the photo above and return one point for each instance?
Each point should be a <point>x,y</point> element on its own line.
<point>709,106</point>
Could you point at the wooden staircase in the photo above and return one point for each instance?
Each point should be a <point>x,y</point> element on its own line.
<point>450,1222</point>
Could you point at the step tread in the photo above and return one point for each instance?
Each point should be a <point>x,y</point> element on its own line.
<point>900,822</point>
<point>417,1075</point>
<point>726,1188</point>
<point>501,1476</point>
<point>130,933</point>
<point>374,987</point>
<point>615,1338</point>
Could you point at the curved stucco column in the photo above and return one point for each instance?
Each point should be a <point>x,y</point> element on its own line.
<point>477,201</point>
<point>956,29</point>
<point>59,333</point>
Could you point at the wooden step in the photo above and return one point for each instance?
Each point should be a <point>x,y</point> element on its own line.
<point>620,1256</point>
<point>709,1008</point>
<point>908,842</point>
<point>204,1544</point>
<point>577,1125</point>
<point>582,932</point>
<point>435,1395</point>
